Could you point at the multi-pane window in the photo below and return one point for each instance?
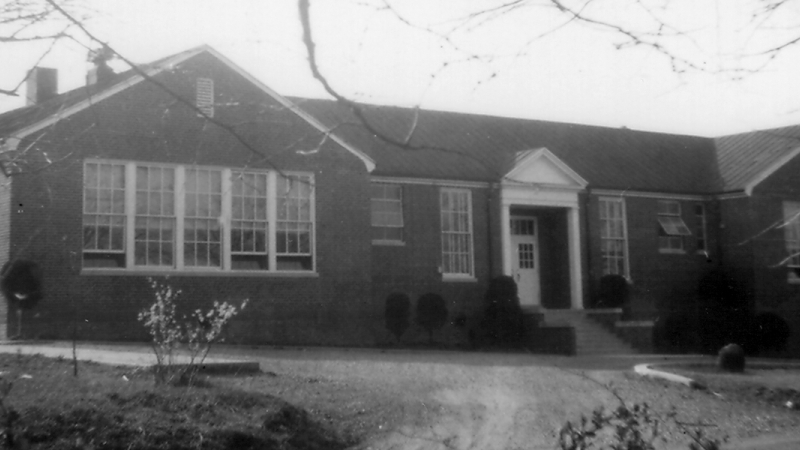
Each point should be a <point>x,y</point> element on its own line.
<point>205,96</point>
<point>295,227</point>
<point>791,226</point>
<point>671,228</point>
<point>202,234</point>
<point>104,215</point>
<point>456,218</point>
<point>249,223</point>
<point>613,237</point>
<point>148,216</point>
<point>700,231</point>
<point>154,238</point>
<point>387,213</point>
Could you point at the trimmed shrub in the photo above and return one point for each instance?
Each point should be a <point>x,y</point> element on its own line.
<point>613,292</point>
<point>431,313</point>
<point>397,312</point>
<point>731,358</point>
<point>22,283</point>
<point>771,331</point>
<point>724,314</point>
<point>502,317</point>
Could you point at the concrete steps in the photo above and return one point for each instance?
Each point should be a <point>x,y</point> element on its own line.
<point>591,338</point>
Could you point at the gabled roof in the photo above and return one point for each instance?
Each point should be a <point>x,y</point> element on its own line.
<point>471,147</point>
<point>16,124</point>
<point>747,159</point>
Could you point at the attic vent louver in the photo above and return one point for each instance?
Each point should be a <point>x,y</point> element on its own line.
<point>205,96</point>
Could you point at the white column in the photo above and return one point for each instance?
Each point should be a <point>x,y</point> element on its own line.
<point>575,264</point>
<point>505,233</point>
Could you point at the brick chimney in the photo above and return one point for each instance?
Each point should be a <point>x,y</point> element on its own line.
<point>100,74</point>
<point>41,85</point>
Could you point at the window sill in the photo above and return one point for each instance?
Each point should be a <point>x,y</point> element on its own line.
<point>198,273</point>
<point>669,251</point>
<point>459,278</point>
<point>389,243</point>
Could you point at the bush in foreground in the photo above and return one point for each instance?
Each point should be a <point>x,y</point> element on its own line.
<point>431,313</point>
<point>502,317</point>
<point>731,358</point>
<point>771,332</point>
<point>397,310</point>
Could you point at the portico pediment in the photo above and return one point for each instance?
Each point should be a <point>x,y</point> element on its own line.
<point>540,167</point>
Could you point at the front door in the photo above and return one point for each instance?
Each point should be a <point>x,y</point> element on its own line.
<point>525,255</point>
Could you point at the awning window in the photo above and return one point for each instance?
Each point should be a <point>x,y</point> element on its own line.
<point>673,226</point>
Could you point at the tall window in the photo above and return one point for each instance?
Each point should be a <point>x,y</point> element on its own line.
<point>456,218</point>
<point>154,217</point>
<point>295,227</point>
<point>613,237</point>
<point>700,232</point>
<point>205,96</point>
<point>202,238</point>
<point>671,228</point>
<point>249,223</point>
<point>104,214</point>
<point>387,213</point>
<point>791,216</point>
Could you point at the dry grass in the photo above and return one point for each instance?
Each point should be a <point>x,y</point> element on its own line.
<point>113,407</point>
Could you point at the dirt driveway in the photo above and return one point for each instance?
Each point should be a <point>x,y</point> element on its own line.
<point>479,401</point>
<point>458,400</point>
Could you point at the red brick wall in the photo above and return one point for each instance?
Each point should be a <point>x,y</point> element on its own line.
<point>771,289</point>
<point>144,124</point>
<point>413,268</point>
<point>661,282</point>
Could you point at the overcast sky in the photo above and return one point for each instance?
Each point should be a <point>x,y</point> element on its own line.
<point>575,74</point>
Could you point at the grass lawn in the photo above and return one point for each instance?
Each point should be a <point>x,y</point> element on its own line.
<point>119,407</point>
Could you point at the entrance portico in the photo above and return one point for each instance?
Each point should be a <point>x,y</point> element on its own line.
<point>539,204</point>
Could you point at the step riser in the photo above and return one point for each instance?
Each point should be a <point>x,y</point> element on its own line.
<point>591,338</point>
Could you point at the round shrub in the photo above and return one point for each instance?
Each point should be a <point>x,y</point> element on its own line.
<point>771,331</point>
<point>22,283</point>
<point>731,358</point>
<point>724,314</point>
<point>613,292</point>
<point>431,313</point>
<point>397,311</point>
<point>502,317</point>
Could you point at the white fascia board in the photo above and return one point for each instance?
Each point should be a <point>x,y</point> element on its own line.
<point>14,140</point>
<point>369,163</point>
<point>764,174</point>
<point>643,194</point>
<point>430,182</point>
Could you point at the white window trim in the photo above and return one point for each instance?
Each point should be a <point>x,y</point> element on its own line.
<point>391,242</point>
<point>703,229</point>
<point>448,276</point>
<point>679,215</point>
<point>179,201</point>
<point>626,259</point>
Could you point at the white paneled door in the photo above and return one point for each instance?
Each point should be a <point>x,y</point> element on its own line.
<point>525,256</point>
